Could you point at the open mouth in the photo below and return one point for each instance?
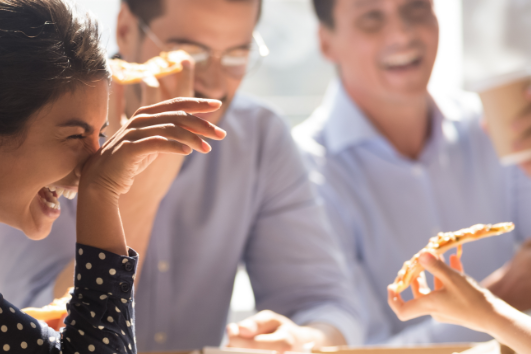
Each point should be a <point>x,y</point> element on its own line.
<point>401,62</point>
<point>50,195</point>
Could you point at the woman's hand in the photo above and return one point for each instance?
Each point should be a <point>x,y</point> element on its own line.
<point>457,299</point>
<point>166,127</point>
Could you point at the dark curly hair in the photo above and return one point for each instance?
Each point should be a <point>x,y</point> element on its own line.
<point>46,49</point>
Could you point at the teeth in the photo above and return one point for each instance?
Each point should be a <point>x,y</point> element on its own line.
<point>401,59</point>
<point>59,192</point>
<point>56,205</point>
<point>70,194</point>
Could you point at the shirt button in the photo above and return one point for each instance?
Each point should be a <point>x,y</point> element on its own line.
<point>160,337</point>
<point>128,266</point>
<point>125,287</point>
<point>163,266</point>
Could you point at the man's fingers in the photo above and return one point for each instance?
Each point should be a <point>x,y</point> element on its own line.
<point>151,92</point>
<point>189,105</point>
<point>116,107</point>
<point>180,84</point>
<point>263,322</point>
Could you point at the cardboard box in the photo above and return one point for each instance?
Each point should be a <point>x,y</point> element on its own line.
<point>424,349</point>
<point>492,347</point>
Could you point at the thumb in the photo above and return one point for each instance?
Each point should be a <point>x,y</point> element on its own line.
<point>436,266</point>
<point>151,92</point>
<point>248,328</point>
<point>116,107</point>
<point>180,84</point>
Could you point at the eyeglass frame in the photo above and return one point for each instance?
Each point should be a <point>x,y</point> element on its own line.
<point>263,50</point>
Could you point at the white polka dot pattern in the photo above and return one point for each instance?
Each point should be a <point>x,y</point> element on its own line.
<point>90,327</point>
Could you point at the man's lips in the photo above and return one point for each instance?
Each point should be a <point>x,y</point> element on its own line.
<point>402,61</point>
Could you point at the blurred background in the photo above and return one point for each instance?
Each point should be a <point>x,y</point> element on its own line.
<point>479,39</point>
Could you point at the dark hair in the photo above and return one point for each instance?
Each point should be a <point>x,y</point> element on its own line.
<point>148,10</point>
<point>325,11</point>
<point>46,49</point>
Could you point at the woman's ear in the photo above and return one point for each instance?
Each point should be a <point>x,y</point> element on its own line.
<point>127,32</point>
<point>325,42</point>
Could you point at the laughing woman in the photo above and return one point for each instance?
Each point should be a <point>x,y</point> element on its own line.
<point>54,87</point>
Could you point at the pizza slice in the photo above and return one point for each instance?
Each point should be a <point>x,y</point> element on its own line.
<point>166,63</point>
<point>53,314</point>
<point>443,242</point>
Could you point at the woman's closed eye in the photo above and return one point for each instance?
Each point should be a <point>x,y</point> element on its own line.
<point>81,136</point>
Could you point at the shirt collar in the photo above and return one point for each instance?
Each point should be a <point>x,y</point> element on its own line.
<point>346,124</point>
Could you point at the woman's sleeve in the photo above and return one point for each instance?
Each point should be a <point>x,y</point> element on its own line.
<point>100,314</point>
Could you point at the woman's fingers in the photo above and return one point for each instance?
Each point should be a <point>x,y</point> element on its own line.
<point>411,309</point>
<point>168,131</point>
<point>455,263</point>
<point>189,105</point>
<point>437,267</point>
<point>152,145</point>
<point>187,121</point>
<point>419,286</point>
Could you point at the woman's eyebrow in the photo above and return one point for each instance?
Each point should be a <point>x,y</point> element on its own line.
<point>74,122</point>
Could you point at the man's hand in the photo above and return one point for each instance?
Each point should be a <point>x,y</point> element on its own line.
<point>512,282</point>
<point>269,330</point>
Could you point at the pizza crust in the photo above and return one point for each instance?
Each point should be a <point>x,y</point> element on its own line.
<point>167,63</point>
<point>443,242</point>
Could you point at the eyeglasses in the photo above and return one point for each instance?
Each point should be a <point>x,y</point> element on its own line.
<point>236,62</point>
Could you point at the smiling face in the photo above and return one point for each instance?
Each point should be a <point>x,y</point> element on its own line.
<point>220,25</point>
<point>59,138</point>
<point>385,48</point>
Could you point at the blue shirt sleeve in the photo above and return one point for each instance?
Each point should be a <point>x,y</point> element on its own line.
<point>294,263</point>
<point>100,314</point>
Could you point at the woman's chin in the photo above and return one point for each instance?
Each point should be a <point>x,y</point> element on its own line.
<point>41,219</point>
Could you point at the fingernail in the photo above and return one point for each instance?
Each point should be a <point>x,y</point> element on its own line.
<point>187,149</point>
<point>186,64</point>
<point>214,103</point>
<point>220,133</point>
<point>206,147</point>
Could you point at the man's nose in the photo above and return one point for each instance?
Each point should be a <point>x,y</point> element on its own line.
<point>211,81</point>
<point>400,31</point>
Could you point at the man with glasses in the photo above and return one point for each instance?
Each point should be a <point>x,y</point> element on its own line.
<point>249,200</point>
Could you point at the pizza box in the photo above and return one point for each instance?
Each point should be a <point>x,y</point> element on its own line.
<point>492,347</point>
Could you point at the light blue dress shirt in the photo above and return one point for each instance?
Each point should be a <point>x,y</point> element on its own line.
<point>249,200</point>
<point>384,207</point>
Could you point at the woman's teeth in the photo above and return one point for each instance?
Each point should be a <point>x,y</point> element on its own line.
<point>50,200</point>
<point>61,191</point>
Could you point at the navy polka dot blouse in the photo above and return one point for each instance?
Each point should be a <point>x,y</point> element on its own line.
<point>100,314</point>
